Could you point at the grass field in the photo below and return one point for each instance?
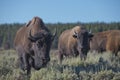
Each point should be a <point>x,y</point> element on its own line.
<point>96,67</point>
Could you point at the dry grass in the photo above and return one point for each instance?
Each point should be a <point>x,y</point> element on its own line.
<point>96,67</point>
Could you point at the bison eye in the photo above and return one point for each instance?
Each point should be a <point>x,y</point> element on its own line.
<point>40,43</point>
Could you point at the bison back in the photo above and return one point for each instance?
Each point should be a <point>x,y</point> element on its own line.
<point>113,42</point>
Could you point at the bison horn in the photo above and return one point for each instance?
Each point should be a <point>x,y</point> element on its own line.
<point>90,31</point>
<point>90,34</point>
<point>75,33</point>
<point>54,34</point>
<point>28,24</point>
<point>32,38</point>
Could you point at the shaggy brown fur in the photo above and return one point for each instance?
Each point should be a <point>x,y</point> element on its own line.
<point>101,41</point>
<point>98,41</point>
<point>66,39</point>
<point>113,42</point>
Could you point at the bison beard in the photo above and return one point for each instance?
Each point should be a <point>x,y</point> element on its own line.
<point>41,43</point>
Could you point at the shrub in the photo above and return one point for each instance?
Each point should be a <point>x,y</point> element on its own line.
<point>96,67</point>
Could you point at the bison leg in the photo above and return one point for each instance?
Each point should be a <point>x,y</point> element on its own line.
<point>60,57</point>
<point>20,59</point>
<point>31,62</point>
<point>82,56</point>
<point>23,60</point>
<point>27,65</point>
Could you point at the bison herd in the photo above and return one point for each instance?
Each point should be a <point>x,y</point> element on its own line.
<point>33,42</point>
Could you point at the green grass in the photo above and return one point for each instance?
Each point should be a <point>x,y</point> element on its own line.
<point>97,66</point>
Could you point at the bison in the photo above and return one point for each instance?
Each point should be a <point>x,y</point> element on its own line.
<point>113,42</point>
<point>73,42</point>
<point>105,41</point>
<point>98,41</point>
<point>32,43</point>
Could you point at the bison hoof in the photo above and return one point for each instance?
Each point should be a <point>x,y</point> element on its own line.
<point>22,67</point>
<point>25,68</point>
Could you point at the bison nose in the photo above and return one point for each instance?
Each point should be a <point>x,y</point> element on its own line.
<point>82,49</point>
<point>46,60</point>
<point>80,46</point>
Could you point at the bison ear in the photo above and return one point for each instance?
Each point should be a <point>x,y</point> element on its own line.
<point>28,24</point>
<point>90,35</point>
<point>55,33</point>
<point>75,34</point>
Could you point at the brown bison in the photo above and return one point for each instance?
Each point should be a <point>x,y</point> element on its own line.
<point>105,41</point>
<point>73,42</point>
<point>113,42</point>
<point>98,41</point>
<point>33,42</point>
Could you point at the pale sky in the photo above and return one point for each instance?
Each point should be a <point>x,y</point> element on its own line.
<point>65,11</point>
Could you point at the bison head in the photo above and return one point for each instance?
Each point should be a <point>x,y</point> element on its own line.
<point>41,43</point>
<point>82,42</point>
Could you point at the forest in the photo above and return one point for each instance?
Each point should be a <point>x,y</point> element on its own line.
<point>8,31</point>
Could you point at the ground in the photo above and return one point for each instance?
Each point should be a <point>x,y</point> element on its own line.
<point>96,67</point>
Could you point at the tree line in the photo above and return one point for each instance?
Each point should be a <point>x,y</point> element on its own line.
<point>8,31</point>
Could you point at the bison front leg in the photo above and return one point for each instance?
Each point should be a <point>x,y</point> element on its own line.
<point>21,64</point>
<point>60,57</point>
<point>83,56</point>
<point>26,63</point>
